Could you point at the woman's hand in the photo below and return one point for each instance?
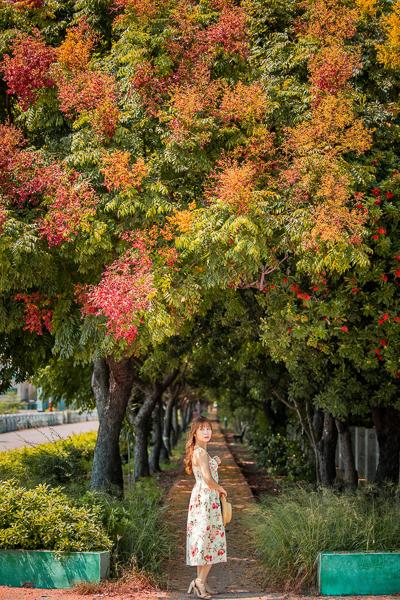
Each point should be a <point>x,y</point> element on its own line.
<point>217,458</point>
<point>221,491</point>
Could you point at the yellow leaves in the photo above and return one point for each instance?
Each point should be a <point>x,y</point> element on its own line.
<point>388,53</point>
<point>182,220</point>
<point>366,7</point>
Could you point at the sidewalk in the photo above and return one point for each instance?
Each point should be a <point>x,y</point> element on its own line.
<point>43,435</point>
<point>239,576</point>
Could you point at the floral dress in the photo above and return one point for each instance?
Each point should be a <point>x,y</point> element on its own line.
<point>205,535</point>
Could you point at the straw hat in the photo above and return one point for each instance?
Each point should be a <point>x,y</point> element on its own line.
<point>226,508</point>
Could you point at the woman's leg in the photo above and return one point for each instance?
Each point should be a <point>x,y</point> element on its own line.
<point>202,572</point>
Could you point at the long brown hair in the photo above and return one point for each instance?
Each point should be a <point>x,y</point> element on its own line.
<point>191,441</point>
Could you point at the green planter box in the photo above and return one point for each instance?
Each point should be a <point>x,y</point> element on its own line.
<point>42,568</point>
<point>359,573</point>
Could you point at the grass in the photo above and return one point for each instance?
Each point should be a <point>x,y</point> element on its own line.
<point>292,529</point>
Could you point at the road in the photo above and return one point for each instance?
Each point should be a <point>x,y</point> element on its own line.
<point>42,435</point>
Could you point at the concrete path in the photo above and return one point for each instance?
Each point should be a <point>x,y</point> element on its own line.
<point>239,576</point>
<point>42,435</point>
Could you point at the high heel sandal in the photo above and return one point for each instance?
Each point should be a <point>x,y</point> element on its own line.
<point>198,588</point>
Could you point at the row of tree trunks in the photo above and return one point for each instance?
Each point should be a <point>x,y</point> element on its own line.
<point>114,384</point>
<point>142,424</point>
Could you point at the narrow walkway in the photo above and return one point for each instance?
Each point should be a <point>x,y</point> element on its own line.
<point>239,577</point>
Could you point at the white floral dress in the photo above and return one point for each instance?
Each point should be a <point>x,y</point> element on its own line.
<point>205,539</point>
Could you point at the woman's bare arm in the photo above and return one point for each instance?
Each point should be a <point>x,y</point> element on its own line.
<point>202,458</point>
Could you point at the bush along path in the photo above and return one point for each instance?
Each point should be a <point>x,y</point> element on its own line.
<point>240,576</point>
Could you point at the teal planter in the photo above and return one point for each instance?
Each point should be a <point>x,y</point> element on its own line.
<point>42,568</point>
<point>359,573</point>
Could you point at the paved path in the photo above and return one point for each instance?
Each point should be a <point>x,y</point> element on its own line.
<point>42,435</point>
<point>239,577</point>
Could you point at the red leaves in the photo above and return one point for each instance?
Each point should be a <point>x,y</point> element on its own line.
<point>37,312</point>
<point>229,32</point>
<point>123,292</point>
<point>73,203</point>
<point>24,177</point>
<point>28,69</point>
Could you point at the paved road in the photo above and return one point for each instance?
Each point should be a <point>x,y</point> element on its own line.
<point>42,435</point>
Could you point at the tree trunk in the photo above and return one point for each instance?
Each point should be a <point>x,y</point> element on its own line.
<point>350,475</point>
<point>143,423</point>
<point>168,423</point>
<point>175,424</point>
<point>387,425</point>
<point>327,451</point>
<point>187,415</point>
<point>157,438</point>
<point>112,385</point>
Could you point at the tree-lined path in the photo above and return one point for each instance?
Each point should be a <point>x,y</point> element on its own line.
<point>239,577</point>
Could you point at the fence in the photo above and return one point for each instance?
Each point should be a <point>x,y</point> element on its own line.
<point>366,452</point>
<point>16,422</point>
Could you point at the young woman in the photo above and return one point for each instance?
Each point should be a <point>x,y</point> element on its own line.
<point>205,539</point>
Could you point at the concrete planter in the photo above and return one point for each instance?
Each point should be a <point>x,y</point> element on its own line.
<point>359,573</point>
<point>43,569</point>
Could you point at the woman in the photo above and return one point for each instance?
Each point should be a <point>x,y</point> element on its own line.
<point>205,539</point>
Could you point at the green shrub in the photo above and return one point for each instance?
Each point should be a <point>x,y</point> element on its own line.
<point>54,463</point>
<point>44,518</point>
<point>281,456</point>
<point>290,530</point>
<point>10,407</point>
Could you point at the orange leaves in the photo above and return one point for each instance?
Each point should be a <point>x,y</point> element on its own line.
<point>119,174</point>
<point>191,103</point>
<point>331,69</point>
<point>233,185</point>
<point>388,53</point>
<point>143,9</point>
<point>83,91</point>
<point>330,20</point>
<point>333,129</point>
<point>75,51</point>
<point>182,220</point>
<point>318,177</point>
<point>244,103</point>
<point>332,218</point>
<point>26,4</point>
<point>90,92</point>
